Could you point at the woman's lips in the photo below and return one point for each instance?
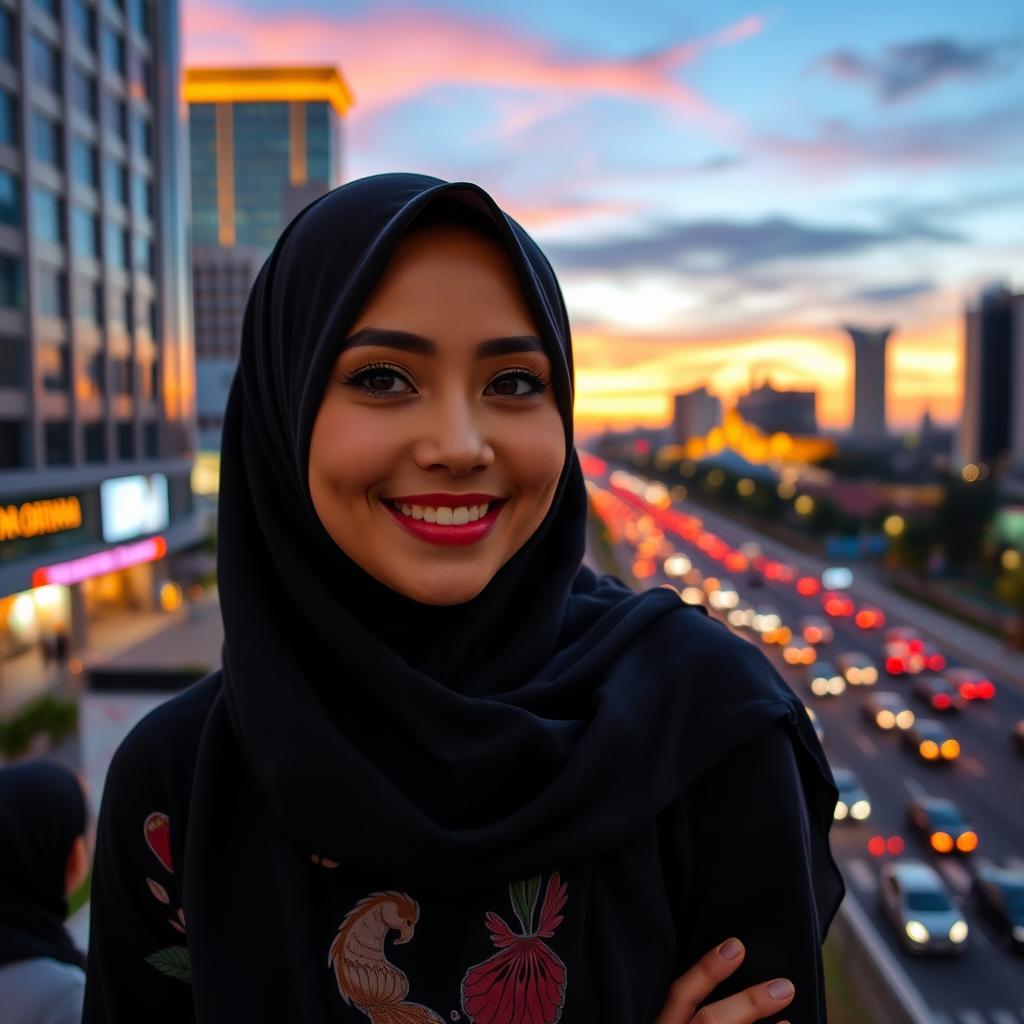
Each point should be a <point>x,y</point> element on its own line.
<point>466,533</point>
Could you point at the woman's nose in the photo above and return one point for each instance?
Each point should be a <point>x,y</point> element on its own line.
<point>452,436</point>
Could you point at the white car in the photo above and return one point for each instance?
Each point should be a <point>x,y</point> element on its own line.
<point>917,903</point>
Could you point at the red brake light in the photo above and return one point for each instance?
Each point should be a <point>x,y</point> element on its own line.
<point>941,701</point>
<point>968,691</point>
<point>936,662</point>
<point>986,689</point>
<point>915,646</point>
<point>894,666</point>
<point>876,845</point>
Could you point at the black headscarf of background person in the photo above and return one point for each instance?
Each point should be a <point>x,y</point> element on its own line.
<point>545,720</point>
<point>42,814</point>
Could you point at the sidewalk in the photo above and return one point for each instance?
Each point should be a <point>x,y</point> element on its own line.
<point>972,646</point>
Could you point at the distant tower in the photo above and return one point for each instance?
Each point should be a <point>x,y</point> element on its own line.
<point>695,414</point>
<point>869,381</point>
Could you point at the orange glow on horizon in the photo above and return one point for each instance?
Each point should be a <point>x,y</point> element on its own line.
<point>623,383</point>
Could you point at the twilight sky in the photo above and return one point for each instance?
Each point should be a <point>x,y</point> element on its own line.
<point>719,186</point>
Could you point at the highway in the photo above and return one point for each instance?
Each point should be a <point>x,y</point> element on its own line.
<point>984,985</point>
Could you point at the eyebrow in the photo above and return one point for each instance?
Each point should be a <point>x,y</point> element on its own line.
<point>421,345</point>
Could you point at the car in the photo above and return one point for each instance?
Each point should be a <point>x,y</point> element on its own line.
<point>853,803</point>
<point>824,679</point>
<point>916,902</point>
<point>972,684</point>
<point>798,652</point>
<point>942,825</point>
<point>932,741</point>
<point>868,616</point>
<point>836,604</point>
<point>815,630</point>
<point>858,669</point>
<point>998,894</point>
<point>888,710</point>
<point>818,730</point>
<point>938,693</point>
<point>906,654</point>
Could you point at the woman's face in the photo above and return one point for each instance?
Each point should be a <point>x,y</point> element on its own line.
<point>440,399</point>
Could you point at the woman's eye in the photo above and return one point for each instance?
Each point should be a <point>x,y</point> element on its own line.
<point>507,385</point>
<point>377,381</point>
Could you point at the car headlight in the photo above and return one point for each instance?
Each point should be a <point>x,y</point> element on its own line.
<point>841,810</point>
<point>917,932</point>
<point>1018,933</point>
<point>860,810</point>
<point>958,931</point>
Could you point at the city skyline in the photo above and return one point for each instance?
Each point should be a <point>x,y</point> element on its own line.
<point>716,188</point>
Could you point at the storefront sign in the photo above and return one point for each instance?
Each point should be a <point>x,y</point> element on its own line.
<point>133,505</point>
<point>100,563</point>
<point>35,518</point>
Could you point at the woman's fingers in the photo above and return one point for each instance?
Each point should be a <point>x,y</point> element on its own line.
<point>699,982</point>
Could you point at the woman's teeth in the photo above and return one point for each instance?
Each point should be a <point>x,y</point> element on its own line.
<point>444,515</point>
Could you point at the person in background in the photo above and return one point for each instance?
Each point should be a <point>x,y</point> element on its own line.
<point>43,859</point>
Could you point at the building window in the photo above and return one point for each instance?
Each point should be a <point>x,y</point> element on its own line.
<point>45,139</point>
<point>58,443</point>
<point>53,288</point>
<point>54,366</point>
<point>113,49</point>
<point>129,316</point>
<point>8,118</point>
<point>8,37</point>
<point>12,444</point>
<point>83,22</point>
<point>117,115</point>
<point>125,441</point>
<point>83,91</point>
<point>89,302</point>
<point>140,77</point>
<point>144,254</point>
<point>142,135</point>
<point>12,283</point>
<point>45,63</point>
<point>151,439</point>
<point>121,375</point>
<point>94,370</point>
<point>138,16</point>
<point>83,161</point>
<point>117,246</point>
<point>85,233</point>
<point>10,199</point>
<point>13,368</point>
<point>116,180</point>
<point>46,215</point>
<point>95,437</point>
<point>142,195</point>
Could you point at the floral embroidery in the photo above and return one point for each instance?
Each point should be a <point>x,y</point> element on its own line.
<point>173,961</point>
<point>525,978</point>
<point>524,981</point>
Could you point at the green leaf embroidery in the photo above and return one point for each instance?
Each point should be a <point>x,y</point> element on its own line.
<point>173,961</point>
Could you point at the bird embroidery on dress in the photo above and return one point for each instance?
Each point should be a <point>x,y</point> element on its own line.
<point>523,983</point>
<point>365,976</point>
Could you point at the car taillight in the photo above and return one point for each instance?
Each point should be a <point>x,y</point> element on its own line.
<point>941,701</point>
<point>936,662</point>
<point>968,691</point>
<point>929,750</point>
<point>915,646</point>
<point>966,842</point>
<point>986,689</point>
<point>950,749</point>
<point>894,666</point>
<point>942,842</point>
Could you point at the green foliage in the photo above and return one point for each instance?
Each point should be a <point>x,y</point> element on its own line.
<point>47,714</point>
<point>173,961</point>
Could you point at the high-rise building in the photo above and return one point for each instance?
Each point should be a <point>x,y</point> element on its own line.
<point>97,416</point>
<point>695,414</point>
<point>992,422</point>
<point>869,382</point>
<point>773,411</point>
<point>265,142</point>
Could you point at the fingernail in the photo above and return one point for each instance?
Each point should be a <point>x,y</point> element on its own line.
<point>730,950</point>
<point>780,989</point>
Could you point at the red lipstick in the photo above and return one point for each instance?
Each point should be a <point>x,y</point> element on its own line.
<point>467,533</point>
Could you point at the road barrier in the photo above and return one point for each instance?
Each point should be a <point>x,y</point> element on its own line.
<point>880,982</point>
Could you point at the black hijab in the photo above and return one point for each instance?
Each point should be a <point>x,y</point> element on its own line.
<point>546,720</point>
<point>42,813</point>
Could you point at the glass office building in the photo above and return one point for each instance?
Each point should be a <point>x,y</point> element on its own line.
<point>96,351</point>
<point>264,142</point>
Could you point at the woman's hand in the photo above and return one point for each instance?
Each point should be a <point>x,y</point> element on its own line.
<point>746,1007</point>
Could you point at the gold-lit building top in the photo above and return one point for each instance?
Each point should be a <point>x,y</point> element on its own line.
<point>268,85</point>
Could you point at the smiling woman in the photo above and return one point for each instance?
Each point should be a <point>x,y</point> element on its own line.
<point>446,772</point>
<point>417,400</point>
